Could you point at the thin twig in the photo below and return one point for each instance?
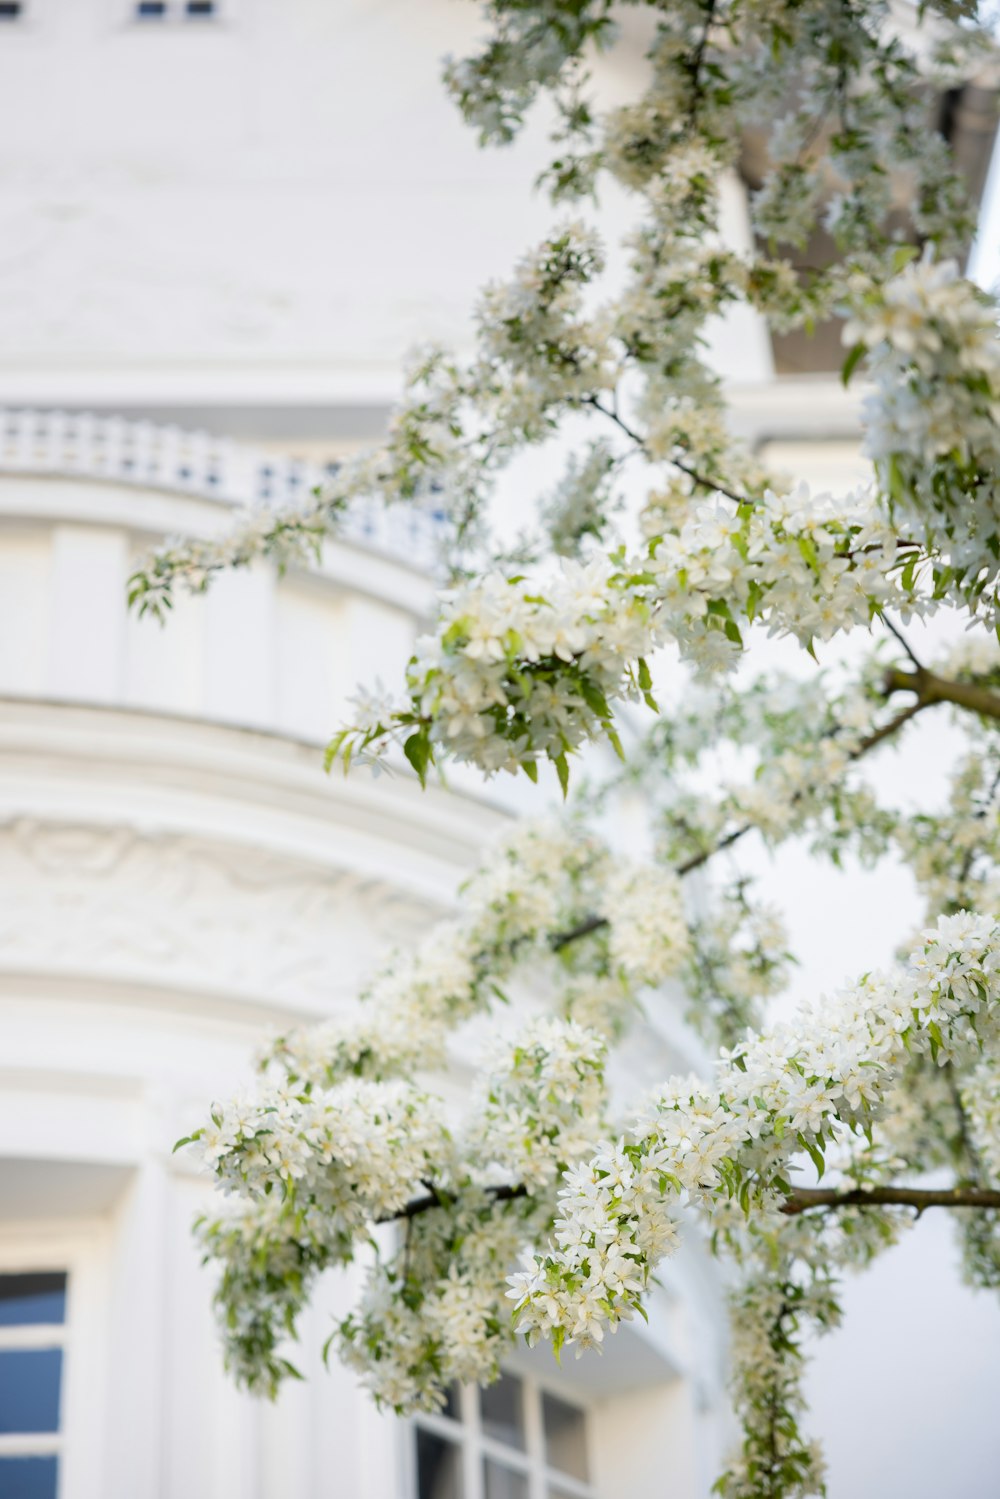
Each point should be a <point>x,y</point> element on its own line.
<point>700,479</point>
<point>894,630</point>
<point>595,923</point>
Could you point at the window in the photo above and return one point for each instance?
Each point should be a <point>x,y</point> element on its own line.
<point>11,10</point>
<point>32,1337</point>
<point>179,10</point>
<point>514,1440</point>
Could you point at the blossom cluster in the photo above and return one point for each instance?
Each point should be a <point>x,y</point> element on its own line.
<point>338,1138</point>
<point>775,1096</point>
<point>527,662</point>
<point>932,423</point>
<point>315,1172</point>
<point>520,669</point>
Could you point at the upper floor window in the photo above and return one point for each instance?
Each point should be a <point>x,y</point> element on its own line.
<point>32,1337</point>
<point>514,1440</point>
<point>11,10</point>
<point>179,10</point>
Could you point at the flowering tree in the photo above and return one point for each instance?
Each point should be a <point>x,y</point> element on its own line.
<point>539,1211</point>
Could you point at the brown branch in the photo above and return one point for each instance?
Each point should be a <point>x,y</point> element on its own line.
<point>584,929</point>
<point>696,860</point>
<point>929,688</point>
<point>888,728</point>
<point>805,1198</point>
<point>894,630</point>
<point>861,748</point>
<point>440,1199</point>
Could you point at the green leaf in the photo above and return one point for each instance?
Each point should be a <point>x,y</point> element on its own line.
<point>333,748</point>
<point>594,698</point>
<point>530,768</point>
<point>808,549</point>
<point>562,770</point>
<point>852,361</point>
<point>187,1140</point>
<point>417,750</point>
<point>614,741</point>
<point>814,1152</point>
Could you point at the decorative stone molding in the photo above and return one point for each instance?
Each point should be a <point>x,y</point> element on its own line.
<point>191,914</point>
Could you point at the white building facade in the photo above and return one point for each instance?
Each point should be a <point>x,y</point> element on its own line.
<point>221,226</point>
<point>178,877</point>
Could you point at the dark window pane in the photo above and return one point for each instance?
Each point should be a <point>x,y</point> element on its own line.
<point>29,1389</point>
<point>565,1436</point>
<point>452,1403</point>
<point>28,1477</point>
<point>30,1299</point>
<point>10,10</point>
<point>503,1483</point>
<point>502,1406</point>
<point>201,7</point>
<point>151,9</point>
<point>439,1467</point>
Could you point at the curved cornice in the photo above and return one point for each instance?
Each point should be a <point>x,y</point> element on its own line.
<point>256,791</point>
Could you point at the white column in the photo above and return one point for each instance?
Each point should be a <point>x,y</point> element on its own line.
<point>25,561</point>
<point>87,630</point>
<point>136,1387</point>
<point>239,647</point>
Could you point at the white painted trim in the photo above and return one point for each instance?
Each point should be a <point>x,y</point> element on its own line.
<point>799,406</point>
<point>32,1335</point>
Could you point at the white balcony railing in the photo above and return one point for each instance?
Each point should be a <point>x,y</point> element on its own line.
<point>149,455</point>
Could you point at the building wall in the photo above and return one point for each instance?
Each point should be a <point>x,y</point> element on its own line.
<point>241,227</point>
<point>179,879</point>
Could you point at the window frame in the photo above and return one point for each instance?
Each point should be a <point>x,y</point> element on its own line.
<point>466,1432</point>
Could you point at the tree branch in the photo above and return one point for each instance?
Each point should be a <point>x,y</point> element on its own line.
<point>700,479</point>
<point>805,1198</point>
<point>885,731</point>
<point>929,689</point>
<point>595,923</point>
<point>439,1199</point>
<point>583,929</point>
<point>894,630</point>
